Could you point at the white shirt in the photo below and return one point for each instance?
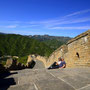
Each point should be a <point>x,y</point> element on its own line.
<point>59,62</point>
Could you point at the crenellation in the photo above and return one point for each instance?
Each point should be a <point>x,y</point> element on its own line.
<point>79,36</point>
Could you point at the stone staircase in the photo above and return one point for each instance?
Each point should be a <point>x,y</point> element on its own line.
<point>81,63</point>
<point>55,79</point>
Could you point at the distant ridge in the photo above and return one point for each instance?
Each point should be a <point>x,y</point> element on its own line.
<point>53,42</point>
<point>48,37</point>
<point>45,37</point>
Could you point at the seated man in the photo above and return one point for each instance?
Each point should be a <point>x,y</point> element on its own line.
<point>60,64</point>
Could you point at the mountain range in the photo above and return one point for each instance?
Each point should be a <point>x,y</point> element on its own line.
<point>19,45</point>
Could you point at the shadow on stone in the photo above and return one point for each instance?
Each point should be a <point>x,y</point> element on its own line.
<point>6,74</point>
<point>6,83</point>
<point>31,64</point>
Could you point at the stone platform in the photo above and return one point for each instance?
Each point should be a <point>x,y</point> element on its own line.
<point>55,79</point>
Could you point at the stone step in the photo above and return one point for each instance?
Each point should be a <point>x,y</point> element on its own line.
<point>83,62</point>
<point>81,66</point>
<point>22,87</point>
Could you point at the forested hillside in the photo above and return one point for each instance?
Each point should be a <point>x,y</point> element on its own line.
<point>18,45</point>
<point>11,44</point>
<point>22,46</point>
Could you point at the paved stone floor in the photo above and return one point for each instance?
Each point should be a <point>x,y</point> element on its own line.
<point>38,65</point>
<point>56,79</point>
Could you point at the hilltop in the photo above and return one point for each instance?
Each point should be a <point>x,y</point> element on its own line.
<point>48,37</point>
<point>53,41</point>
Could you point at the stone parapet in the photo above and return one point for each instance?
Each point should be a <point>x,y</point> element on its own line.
<point>79,36</point>
<point>76,52</point>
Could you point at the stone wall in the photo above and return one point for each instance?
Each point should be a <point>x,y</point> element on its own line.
<point>56,54</point>
<point>79,51</point>
<point>76,52</point>
<point>30,58</point>
<point>43,59</point>
<point>53,57</point>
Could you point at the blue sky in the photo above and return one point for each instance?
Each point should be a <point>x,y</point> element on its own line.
<point>39,17</point>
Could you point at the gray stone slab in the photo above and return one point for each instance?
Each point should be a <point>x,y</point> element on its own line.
<point>58,73</point>
<point>39,71</point>
<point>23,87</point>
<point>26,73</point>
<point>53,84</point>
<point>85,88</point>
<point>44,76</point>
<point>85,74</point>
<point>25,80</point>
<point>56,79</point>
<point>76,81</point>
<point>46,81</point>
<point>39,65</point>
<point>77,70</point>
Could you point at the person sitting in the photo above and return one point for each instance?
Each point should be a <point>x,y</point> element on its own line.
<point>60,64</point>
<point>59,61</point>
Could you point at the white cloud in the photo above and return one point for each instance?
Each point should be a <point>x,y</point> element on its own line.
<point>82,27</point>
<point>9,26</point>
<point>70,21</point>
<point>65,20</point>
<point>28,26</point>
<point>78,13</point>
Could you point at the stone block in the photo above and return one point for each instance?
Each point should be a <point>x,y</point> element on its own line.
<point>11,64</point>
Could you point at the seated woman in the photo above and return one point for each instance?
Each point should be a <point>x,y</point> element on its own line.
<point>60,64</point>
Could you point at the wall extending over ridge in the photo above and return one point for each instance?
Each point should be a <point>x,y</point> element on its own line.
<point>76,52</point>
<point>43,59</point>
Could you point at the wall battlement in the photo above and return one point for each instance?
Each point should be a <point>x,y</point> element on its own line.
<point>79,36</point>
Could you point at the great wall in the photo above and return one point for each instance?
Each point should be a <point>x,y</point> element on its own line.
<point>76,52</point>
